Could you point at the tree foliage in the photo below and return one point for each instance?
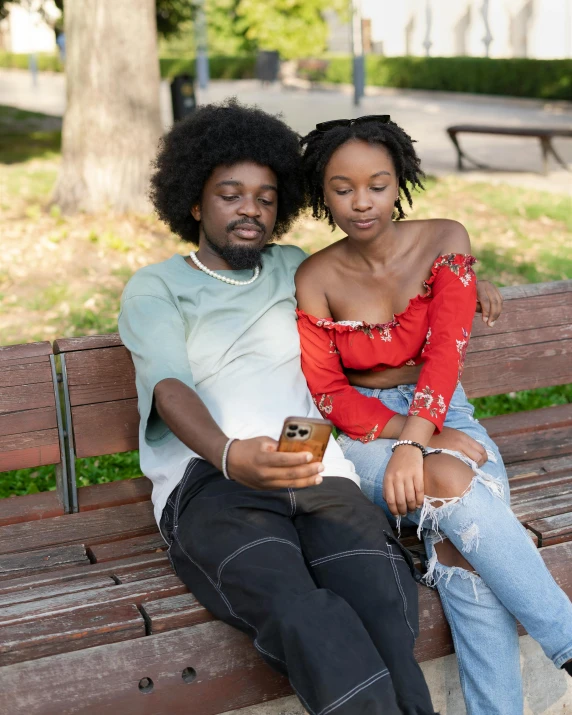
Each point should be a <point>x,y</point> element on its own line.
<point>296,28</point>
<point>171,14</point>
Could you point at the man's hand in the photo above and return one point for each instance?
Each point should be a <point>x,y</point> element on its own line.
<point>403,488</point>
<point>458,441</point>
<point>257,464</point>
<point>489,302</point>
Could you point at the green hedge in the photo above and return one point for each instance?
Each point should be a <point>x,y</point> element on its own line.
<point>46,63</point>
<point>542,79</point>
<point>220,67</point>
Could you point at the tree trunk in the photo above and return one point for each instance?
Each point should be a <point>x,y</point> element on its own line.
<point>112,122</point>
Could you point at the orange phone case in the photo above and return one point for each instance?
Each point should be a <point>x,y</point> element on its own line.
<point>305,434</point>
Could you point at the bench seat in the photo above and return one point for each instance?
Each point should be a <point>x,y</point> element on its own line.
<point>92,615</point>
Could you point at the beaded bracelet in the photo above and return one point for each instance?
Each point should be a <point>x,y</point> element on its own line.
<point>410,442</point>
<point>225,457</point>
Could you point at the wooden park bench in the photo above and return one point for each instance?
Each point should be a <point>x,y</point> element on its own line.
<point>92,617</point>
<point>543,134</point>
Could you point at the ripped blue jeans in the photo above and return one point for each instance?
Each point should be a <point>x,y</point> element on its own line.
<point>512,582</point>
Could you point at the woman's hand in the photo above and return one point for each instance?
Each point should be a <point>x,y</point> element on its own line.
<point>257,464</point>
<point>489,302</point>
<point>403,482</point>
<point>458,441</point>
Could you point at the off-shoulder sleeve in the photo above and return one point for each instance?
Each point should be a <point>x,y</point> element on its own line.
<point>358,416</point>
<point>453,287</point>
<point>153,331</point>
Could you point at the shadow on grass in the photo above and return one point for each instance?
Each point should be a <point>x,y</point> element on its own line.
<point>28,135</point>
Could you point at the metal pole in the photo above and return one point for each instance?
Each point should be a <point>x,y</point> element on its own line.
<point>428,22</point>
<point>357,52</point>
<point>202,44</point>
<point>488,38</point>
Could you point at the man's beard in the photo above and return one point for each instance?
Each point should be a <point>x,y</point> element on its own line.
<point>238,257</point>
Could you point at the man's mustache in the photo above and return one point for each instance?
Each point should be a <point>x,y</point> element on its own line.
<point>248,222</point>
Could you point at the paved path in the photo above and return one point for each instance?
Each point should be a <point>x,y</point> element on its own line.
<point>425,115</point>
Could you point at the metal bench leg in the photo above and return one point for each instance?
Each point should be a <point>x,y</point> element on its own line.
<point>462,155</point>
<point>545,146</point>
<point>559,159</point>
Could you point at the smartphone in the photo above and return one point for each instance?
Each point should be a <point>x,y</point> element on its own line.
<point>305,434</point>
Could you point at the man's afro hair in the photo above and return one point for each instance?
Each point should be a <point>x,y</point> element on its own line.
<point>224,134</point>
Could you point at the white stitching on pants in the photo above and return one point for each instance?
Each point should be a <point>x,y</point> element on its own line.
<point>291,502</point>
<point>354,691</point>
<point>225,599</point>
<point>249,546</point>
<point>402,592</point>
<point>360,552</point>
<point>294,498</point>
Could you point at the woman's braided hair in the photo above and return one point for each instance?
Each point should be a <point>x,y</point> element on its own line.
<point>319,147</point>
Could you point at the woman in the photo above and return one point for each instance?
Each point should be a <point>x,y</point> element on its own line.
<point>395,294</point>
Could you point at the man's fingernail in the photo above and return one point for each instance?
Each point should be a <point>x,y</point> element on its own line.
<point>318,480</point>
<point>309,457</point>
<point>321,468</point>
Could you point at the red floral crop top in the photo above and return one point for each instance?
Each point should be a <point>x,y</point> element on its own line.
<point>434,330</point>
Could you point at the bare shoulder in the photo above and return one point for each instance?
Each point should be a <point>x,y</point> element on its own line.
<point>318,266</point>
<point>312,278</point>
<point>450,237</point>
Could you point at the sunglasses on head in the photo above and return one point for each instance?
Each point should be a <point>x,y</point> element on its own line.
<point>326,126</point>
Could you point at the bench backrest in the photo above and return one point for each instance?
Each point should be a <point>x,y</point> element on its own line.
<point>530,346</point>
<point>31,431</point>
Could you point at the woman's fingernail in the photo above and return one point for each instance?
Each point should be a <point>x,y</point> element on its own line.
<point>492,323</point>
<point>318,480</point>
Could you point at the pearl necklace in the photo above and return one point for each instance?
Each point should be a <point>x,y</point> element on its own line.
<point>224,279</point>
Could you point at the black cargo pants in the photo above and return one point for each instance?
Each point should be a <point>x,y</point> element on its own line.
<point>314,577</point>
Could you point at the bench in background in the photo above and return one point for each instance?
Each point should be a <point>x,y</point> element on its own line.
<point>543,134</point>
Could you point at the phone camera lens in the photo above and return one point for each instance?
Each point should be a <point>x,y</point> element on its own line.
<point>293,427</point>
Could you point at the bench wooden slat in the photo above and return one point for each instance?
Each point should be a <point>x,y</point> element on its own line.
<point>542,508</point>
<point>100,375</point>
<point>24,351</point>
<point>540,482</point>
<point>54,590</point>
<point>26,397</point>
<point>106,428</point>
<point>517,338</point>
<point>37,456</point>
<point>126,491</point>
<point>87,342</point>
<point>42,559</point>
<point>29,611</point>
<point>128,547</point>
<point>553,529</point>
<point>130,576</point>
<point>230,674</point>
<point>65,574</point>
<point>29,507</point>
<point>537,311</point>
<point>535,467</point>
<point>98,525</point>
<point>547,443</point>
<point>548,492</point>
<point>24,373</point>
<point>521,423</point>
<point>166,614</point>
<point>70,631</point>
<point>28,421</point>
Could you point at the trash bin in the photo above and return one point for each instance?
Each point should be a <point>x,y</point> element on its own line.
<point>267,65</point>
<point>182,96</point>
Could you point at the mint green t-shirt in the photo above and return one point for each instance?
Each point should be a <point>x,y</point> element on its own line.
<point>237,346</point>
